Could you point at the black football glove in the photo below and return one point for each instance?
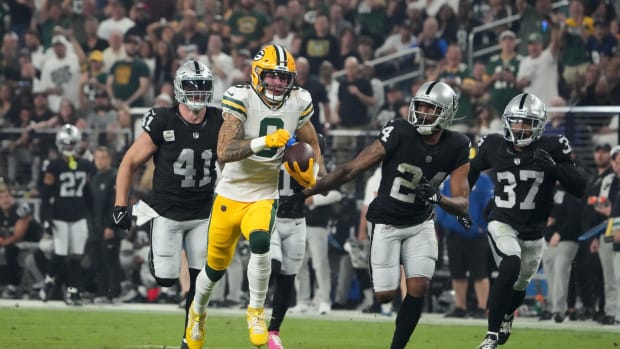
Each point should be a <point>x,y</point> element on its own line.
<point>464,221</point>
<point>543,159</point>
<point>121,217</point>
<point>425,191</point>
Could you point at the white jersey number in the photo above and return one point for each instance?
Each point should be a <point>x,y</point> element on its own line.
<point>415,173</point>
<point>147,119</point>
<point>509,181</point>
<point>564,141</point>
<point>286,189</point>
<point>72,184</point>
<point>184,166</point>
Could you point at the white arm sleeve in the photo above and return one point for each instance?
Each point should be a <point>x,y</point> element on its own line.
<point>322,200</point>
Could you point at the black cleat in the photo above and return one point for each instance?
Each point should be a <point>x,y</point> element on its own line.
<point>489,342</point>
<point>479,313</point>
<point>375,308</point>
<point>456,313</point>
<point>545,315</point>
<point>572,315</point>
<point>45,293</point>
<point>609,320</point>
<point>72,297</point>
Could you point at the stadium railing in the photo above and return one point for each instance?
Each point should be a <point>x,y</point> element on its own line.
<point>585,127</point>
<point>473,53</point>
<point>396,68</point>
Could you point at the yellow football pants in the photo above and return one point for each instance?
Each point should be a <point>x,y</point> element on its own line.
<point>230,219</point>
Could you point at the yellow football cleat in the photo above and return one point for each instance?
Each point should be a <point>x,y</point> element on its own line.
<point>257,326</point>
<point>195,331</point>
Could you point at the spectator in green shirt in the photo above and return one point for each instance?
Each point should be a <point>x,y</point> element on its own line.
<point>249,29</point>
<point>501,71</point>
<point>129,79</point>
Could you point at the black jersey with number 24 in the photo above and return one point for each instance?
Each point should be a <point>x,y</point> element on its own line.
<point>523,191</point>
<point>185,161</point>
<point>409,160</point>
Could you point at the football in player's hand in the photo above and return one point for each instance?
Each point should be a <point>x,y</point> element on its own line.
<point>300,152</point>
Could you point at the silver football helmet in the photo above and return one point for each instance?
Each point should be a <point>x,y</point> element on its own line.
<point>193,85</point>
<point>444,101</point>
<point>67,140</point>
<point>531,112</point>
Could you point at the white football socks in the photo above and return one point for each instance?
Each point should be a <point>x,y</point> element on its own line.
<point>204,286</point>
<point>259,269</point>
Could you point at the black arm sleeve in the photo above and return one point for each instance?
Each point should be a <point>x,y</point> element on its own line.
<point>89,200</point>
<point>478,159</point>
<point>47,192</point>
<point>571,178</point>
<point>472,177</point>
<point>107,211</point>
<point>568,219</point>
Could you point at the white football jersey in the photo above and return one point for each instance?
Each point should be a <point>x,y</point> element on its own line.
<point>256,177</point>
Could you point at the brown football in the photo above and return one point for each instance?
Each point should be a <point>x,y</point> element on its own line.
<point>300,152</point>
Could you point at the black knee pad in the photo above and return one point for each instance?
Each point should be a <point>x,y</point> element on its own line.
<point>163,282</point>
<point>510,267</point>
<point>259,241</point>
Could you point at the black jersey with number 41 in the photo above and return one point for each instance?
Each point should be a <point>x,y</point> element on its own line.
<point>523,191</point>
<point>185,160</point>
<point>409,160</point>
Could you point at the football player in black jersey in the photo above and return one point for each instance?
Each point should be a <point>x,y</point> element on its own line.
<point>16,225</point>
<point>417,155</point>
<point>65,196</point>
<point>527,166</point>
<point>182,141</point>
<point>288,246</point>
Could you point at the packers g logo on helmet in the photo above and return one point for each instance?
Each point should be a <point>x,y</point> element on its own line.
<point>277,60</point>
<point>259,55</point>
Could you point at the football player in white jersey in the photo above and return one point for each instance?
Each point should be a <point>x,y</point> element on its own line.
<point>259,119</point>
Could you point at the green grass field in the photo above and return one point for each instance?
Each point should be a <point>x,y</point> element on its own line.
<point>93,328</point>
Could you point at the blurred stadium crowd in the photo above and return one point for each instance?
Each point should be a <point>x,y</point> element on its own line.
<point>97,64</point>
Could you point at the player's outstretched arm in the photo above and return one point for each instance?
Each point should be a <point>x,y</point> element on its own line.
<point>370,156</point>
<point>231,145</point>
<point>307,134</point>
<point>458,204</point>
<point>571,178</point>
<point>139,152</point>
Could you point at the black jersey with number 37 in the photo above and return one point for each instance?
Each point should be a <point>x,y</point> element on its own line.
<point>523,191</point>
<point>409,160</point>
<point>184,162</point>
